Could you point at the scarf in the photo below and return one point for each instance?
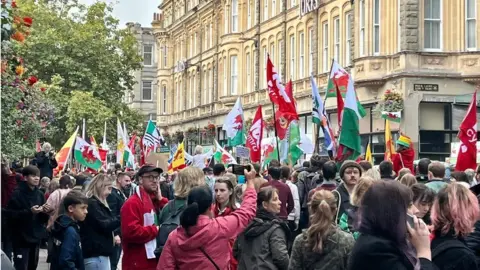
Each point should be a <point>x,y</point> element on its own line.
<point>265,215</point>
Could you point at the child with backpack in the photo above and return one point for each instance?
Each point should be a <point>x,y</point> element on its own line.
<point>67,250</point>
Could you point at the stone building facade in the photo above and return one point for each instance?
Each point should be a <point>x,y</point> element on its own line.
<point>212,52</point>
<point>144,95</point>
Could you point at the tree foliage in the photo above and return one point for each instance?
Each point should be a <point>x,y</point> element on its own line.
<point>95,115</point>
<point>82,51</point>
<point>27,113</point>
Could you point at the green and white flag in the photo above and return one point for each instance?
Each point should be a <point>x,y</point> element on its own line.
<point>87,155</point>
<point>124,154</point>
<point>289,145</point>
<point>234,125</point>
<point>350,133</point>
<point>152,137</point>
<point>222,156</point>
<point>392,116</point>
<point>269,151</point>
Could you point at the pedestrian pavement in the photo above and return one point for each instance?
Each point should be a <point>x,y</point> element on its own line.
<point>43,265</point>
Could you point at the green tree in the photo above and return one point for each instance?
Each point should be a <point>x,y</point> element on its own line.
<point>26,113</point>
<point>83,105</point>
<point>80,48</point>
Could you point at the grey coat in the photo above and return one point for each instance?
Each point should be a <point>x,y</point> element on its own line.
<point>336,250</point>
<point>263,245</point>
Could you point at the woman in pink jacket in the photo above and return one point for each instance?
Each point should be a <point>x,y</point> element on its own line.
<point>202,242</point>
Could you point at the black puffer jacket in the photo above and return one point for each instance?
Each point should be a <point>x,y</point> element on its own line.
<point>26,227</point>
<point>263,244</point>
<point>97,230</point>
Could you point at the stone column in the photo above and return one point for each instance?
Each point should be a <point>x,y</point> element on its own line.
<point>353,34</point>
<point>316,26</point>
<point>257,49</point>
<point>409,11</point>
<point>283,54</point>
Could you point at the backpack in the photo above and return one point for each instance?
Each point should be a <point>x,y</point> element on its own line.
<point>168,226</point>
<point>309,181</point>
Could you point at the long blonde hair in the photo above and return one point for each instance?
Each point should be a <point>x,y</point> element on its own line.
<point>187,179</point>
<point>364,183</point>
<point>96,186</point>
<point>322,207</point>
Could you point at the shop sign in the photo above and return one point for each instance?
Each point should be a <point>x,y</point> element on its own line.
<point>307,6</point>
<point>425,87</point>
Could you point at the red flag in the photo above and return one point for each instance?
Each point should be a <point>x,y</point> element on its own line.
<point>287,111</point>
<point>340,106</point>
<point>131,143</point>
<point>142,152</point>
<point>467,156</point>
<point>255,135</point>
<point>273,82</point>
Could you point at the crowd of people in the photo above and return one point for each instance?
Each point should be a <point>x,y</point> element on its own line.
<point>320,215</point>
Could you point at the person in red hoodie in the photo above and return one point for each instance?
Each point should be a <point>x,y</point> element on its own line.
<point>405,154</point>
<point>139,226</point>
<point>201,241</point>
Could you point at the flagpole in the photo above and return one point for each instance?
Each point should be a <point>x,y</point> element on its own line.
<point>275,130</point>
<point>83,129</point>
<point>105,136</point>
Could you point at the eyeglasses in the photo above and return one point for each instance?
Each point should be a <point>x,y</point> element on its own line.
<point>151,177</point>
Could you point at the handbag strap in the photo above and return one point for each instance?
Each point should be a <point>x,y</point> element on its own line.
<point>209,258</point>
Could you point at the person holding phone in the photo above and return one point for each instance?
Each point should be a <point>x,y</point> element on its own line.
<point>386,239</point>
<point>202,242</point>
<point>27,215</point>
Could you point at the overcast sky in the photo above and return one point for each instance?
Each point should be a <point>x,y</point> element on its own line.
<point>132,10</point>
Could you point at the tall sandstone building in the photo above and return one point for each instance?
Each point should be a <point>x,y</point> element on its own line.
<point>211,52</point>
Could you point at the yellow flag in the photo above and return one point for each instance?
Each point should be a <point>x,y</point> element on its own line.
<point>64,153</point>
<point>178,161</point>
<point>368,154</point>
<point>389,146</point>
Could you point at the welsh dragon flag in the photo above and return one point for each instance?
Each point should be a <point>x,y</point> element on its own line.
<point>340,78</point>
<point>87,155</point>
<point>269,151</point>
<point>234,125</point>
<point>350,141</point>
<point>222,156</point>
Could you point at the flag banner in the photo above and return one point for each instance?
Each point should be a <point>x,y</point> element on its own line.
<point>368,154</point>
<point>255,135</point>
<point>274,82</point>
<point>392,116</point>
<point>223,156</point>
<point>389,145</point>
<point>178,161</point>
<point>319,116</point>
<point>87,154</point>
<point>121,143</point>
<point>101,152</point>
<point>306,145</point>
<point>152,137</point>
<point>234,125</point>
<point>64,153</point>
<point>467,155</point>
<point>338,78</point>
<point>269,151</point>
<point>350,132</point>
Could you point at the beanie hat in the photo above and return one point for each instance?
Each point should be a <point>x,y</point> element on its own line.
<point>348,164</point>
<point>404,140</point>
